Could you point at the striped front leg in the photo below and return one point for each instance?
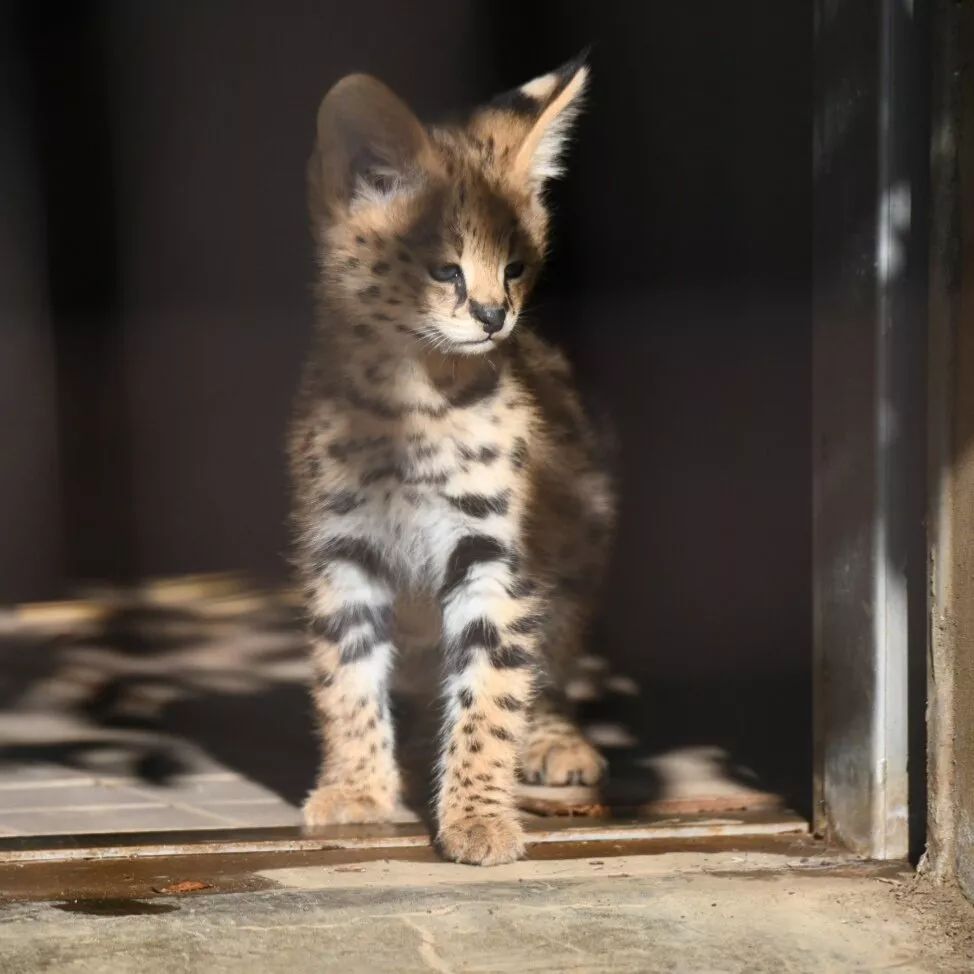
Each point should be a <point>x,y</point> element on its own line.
<point>491,671</point>
<point>351,616</point>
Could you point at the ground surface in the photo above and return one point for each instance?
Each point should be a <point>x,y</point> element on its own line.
<point>732,911</point>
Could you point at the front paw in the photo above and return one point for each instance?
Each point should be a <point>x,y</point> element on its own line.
<point>333,805</point>
<point>562,760</point>
<point>487,840</point>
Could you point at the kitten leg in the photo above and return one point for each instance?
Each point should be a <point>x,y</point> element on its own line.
<point>555,750</point>
<point>351,613</point>
<point>491,676</point>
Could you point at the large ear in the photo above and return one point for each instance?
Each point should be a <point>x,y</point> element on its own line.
<point>369,146</point>
<point>548,107</point>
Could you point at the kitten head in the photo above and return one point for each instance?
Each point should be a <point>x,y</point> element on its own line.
<point>431,237</point>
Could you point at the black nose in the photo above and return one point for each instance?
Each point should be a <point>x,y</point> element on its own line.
<point>491,318</point>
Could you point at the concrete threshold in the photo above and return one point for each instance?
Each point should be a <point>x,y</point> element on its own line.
<point>730,904</point>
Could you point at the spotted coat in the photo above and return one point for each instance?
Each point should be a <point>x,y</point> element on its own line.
<point>439,447</point>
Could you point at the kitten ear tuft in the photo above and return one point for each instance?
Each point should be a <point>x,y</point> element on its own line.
<point>550,105</point>
<point>369,146</point>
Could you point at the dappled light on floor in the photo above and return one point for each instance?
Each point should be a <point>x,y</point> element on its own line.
<point>181,704</point>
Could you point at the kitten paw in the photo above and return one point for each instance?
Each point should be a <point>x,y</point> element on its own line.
<point>331,805</point>
<point>562,760</point>
<point>482,841</point>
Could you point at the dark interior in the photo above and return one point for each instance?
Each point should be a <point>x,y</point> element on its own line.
<point>154,307</point>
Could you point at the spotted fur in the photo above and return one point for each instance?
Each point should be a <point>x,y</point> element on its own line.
<point>440,447</point>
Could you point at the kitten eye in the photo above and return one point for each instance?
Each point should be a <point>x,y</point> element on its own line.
<point>514,270</point>
<point>446,273</point>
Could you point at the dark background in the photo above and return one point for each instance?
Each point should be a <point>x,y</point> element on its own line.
<point>154,303</point>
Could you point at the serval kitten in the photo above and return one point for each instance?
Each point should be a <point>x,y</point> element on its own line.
<point>439,447</point>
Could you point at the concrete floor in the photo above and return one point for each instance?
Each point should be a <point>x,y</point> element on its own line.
<point>728,912</point>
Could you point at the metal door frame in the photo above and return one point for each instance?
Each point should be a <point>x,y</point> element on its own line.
<point>869,406</point>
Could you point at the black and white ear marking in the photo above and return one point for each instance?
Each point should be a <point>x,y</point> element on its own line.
<point>555,101</point>
<point>369,146</point>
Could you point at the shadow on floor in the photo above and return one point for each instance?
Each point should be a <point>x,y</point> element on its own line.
<point>154,691</point>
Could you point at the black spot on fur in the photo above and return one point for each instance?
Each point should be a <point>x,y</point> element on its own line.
<point>488,454</point>
<point>510,657</point>
<point>480,505</point>
<point>343,449</point>
<point>370,293</point>
<point>386,410</point>
<point>376,474</point>
<point>357,551</point>
<point>335,626</point>
<point>519,454</point>
<point>369,404</point>
<point>406,477</point>
<point>521,588</point>
<point>429,479</point>
<point>479,634</point>
<point>485,455</point>
<point>363,331</point>
<point>501,734</point>
<point>526,625</point>
<point>481,387</point>
<point>507,702</point>
<point>476,747</point>
<point>466,698</point>
<point>517,102</point>
<point>380,267</point>
<point>425,450</point>
<point>344,502</point>
<point>471,550</point>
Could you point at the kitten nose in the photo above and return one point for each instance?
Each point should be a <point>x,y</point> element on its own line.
<point>491,318</point>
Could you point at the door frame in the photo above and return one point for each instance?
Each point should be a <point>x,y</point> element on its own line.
<point>870,270</point>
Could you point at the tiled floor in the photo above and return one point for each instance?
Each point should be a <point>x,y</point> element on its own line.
<point>100,700</point>
<point>183,706</point>
<point>76,803</point>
